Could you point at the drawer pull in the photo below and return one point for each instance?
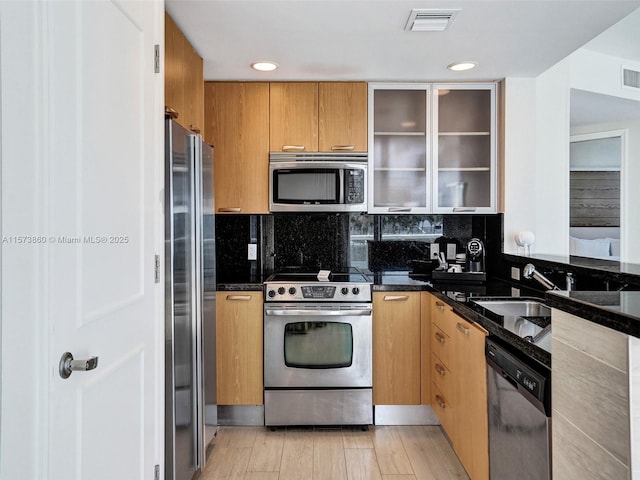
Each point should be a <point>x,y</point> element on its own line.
<point>240,298</point>
<point>343,147</point>
<point>440,369</point>
<point>230,210</point>
<point>440,306</point>
<point>440,401</point>
<point>396,298</point>
<point>439,337</point>
<point>462,328</point>
<point>292,148</point>
<point>399,209</point>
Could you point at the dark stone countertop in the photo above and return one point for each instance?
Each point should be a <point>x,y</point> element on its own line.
<point>248,283</point>
<point>619,311</point>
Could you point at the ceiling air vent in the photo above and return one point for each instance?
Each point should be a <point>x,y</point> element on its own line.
<point>630,78</point>
<point>430,19</point>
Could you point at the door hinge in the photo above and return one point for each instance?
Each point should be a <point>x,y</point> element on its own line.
<point>156,59</point>
<point>156,472</point>
<point>156,275</point>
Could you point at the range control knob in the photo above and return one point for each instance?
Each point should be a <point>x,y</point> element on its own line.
<point>271,293</point>
<point>281,290</point>
<point>355,290</point>
<point>292,291</point>
<point>344,290</point>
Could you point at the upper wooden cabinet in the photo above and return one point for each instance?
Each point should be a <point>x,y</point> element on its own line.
<point>237,125</point>
<point>293,108</point>
<point>184,78</point>
<point>312,117</point>
<point>342,123</point>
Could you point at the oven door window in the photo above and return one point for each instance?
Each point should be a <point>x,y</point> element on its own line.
<point>318,345</point>
<point>306,185</point>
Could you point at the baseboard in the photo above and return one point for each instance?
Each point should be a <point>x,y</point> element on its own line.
<point>404,415</point>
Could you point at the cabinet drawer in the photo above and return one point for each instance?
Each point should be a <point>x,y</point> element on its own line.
<point>441,314</point>
<point>441,345</point>
<point>444,411</point>
<point>441,376</point>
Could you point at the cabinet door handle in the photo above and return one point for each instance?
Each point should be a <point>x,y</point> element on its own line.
<point>462,328</point>
<point>343,147</point>
<point>399,209</point>
<point>294,148</point>
<point>440,306</point>
<point>440,402</point>
<point>230,210</point>
<point>440,369</point>
<point>396,298</point>
<point>464,209</point>
<point>170,112</point>
<point>240,298</point>
<point>439,337</point>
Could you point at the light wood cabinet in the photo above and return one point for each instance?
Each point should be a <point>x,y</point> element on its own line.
<point>471,399</point>
<point>425,348</point>
<point>184,78</point>
<point>459,388</point>
<point>324,117</point>
<point>293,110</point>
<point>237,125</point>
<point>239,341</point>
<point>396,348</point>
<point>342,124</point>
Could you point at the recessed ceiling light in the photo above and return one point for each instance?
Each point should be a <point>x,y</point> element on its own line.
<point>264,66</point>
<point>461,66</point>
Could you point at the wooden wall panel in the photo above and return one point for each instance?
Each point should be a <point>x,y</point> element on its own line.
<point>595,199</point>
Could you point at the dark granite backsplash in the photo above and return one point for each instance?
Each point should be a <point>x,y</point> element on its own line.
<point>339,241</point>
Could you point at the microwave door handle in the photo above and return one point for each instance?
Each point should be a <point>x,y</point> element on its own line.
<point>341,180</point>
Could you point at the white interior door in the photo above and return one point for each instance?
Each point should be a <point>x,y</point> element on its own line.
<point>103,206</point>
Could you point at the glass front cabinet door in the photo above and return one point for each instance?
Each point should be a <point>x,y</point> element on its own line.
<point>399,148</point>
<point>464,148</point>
<point>432,148</point>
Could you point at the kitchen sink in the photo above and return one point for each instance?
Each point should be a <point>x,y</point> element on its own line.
<point>515,308</point>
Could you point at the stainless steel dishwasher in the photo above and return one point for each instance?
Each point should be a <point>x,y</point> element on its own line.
<point>519,394</point>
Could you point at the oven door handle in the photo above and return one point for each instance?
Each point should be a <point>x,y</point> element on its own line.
<point>318,313</point>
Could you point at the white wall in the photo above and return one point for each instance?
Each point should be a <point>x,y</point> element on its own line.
<point>552,160</point>
<point>599,73</point>
<point>536,160</point>
<point>536,163</point>
<point>519,163</point>
<point>595,72</point>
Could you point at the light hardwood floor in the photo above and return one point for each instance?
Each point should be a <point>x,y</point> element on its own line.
<point>381,453</point>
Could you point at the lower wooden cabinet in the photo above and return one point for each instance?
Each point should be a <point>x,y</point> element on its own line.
<point>396,348</point>
<point>239,336</point>
<point>459,386</point>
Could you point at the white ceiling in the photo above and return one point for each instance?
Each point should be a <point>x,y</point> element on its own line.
<point>366,40</point>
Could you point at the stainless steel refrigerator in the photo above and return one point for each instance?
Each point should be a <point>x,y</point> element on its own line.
<point>190,284</point>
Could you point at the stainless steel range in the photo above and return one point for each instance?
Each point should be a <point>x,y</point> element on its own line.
<point>317,349</point>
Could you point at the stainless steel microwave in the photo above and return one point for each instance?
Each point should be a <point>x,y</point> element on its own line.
<point>317,182</point>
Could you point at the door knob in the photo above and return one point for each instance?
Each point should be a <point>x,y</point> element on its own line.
<point>68,364</point>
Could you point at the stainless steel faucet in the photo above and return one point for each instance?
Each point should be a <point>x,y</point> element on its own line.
<point>530,271</point>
